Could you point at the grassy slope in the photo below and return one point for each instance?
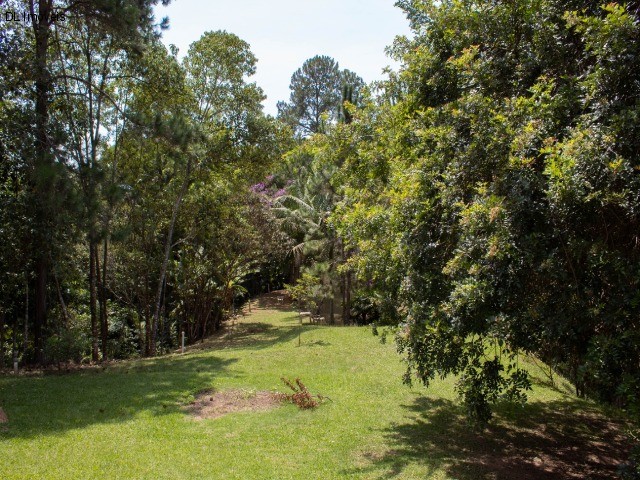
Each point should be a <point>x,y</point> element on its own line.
<point>126,421</point>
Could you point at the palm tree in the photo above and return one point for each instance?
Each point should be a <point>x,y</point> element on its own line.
<point>305,214</point>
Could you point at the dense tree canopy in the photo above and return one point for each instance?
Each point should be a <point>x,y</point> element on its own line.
<point>504,175</point>
<point>482,203</point>
<point>105,260</point>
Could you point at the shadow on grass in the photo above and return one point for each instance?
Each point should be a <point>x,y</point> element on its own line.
<point>277,300</point>
<point>540,441</point>
<point>316,343</point>
<point>255,335</point>
<point>561,386</point>
<point>54,404</point>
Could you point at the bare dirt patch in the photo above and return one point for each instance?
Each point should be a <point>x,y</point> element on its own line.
<point>211,404</point>
<point>3,417</point>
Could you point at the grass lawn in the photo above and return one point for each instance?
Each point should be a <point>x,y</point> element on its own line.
<point>128,420</point>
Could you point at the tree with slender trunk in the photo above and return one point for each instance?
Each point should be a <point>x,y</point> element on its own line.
<point>41,187</point>
<point>128,18</point>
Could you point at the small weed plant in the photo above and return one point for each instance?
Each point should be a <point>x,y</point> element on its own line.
<point>301,395</point>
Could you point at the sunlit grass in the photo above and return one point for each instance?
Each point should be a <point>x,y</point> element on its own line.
<point>127,421</point>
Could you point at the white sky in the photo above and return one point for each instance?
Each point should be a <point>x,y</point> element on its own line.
<point>284,33</point>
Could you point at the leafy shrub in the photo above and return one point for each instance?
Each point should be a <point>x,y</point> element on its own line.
<point>364,310</point>
<point>71,344</point>
<point>307,292</point>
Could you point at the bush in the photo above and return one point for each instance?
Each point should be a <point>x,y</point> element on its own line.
<point>307,292</point>
<point>68,345</point>
<point>364,311</point>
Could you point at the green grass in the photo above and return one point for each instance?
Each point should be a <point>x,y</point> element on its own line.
<point>127,421</point>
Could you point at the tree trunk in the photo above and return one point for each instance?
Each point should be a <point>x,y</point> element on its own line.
<point>15,343</point>
<point>25,340</point>
<point>146,315</point>
<point>93,254</point>
<point>147,335</point>
<point>165,261</point>
<point>63,305</point>
<point>346,298</point>
<point>2,318</point>
<point>331,310</point>
<point>104,314</point>
<point>204,326</point>
<point>39,319</point>
<point>43,155</point>
<point>104,322</point>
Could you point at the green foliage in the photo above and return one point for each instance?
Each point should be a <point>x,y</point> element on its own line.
<point>139,189</point>
<point>70,344</point>
<point>308,291</point>
<point>364,309</point>
<point>495,198</point>
<point>485,204</point>
<point>217,67</point>
<point>319,90</point>
<point>124,335</point>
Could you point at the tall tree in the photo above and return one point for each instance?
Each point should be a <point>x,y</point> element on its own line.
<point>15,146</point>
<point>216,66</point>
<point>131,18</point>
<point>495,202</point>
<point>90,59</point>
<point>305,209</point>
<point>319,87</point>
